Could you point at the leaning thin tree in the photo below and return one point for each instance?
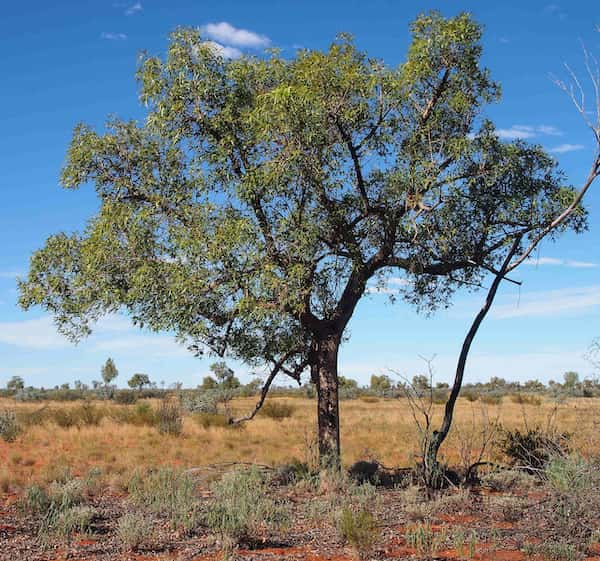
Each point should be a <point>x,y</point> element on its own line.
<point>249,212</point>
<point>515,254</point>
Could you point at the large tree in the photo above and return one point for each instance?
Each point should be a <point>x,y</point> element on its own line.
<point>250,210</point>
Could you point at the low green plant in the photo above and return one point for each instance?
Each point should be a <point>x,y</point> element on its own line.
<point>464,543</point>
<point>553,551</point>
<point>241,505</point>
<point>134,530</point>
<point>424,540</point>
<point>168,492</point>
<point>358,529</point>
<point>9,425</point>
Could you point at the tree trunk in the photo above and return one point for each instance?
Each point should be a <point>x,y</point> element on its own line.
<point>325,377</point>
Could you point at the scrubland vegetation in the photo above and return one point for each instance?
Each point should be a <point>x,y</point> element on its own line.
<point>152,480</point>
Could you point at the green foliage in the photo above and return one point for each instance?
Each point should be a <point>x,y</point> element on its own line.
<point>15,383</point>
<point>168,492</point>
<point>425,540</point>
<point>358,529</point>
<point>9,425</point>
<point>241,506</point>
<point>138,381</point>
<point>262,194</point>
<point>533,448</point>
<point>109,371</point>
<point>207,420</point>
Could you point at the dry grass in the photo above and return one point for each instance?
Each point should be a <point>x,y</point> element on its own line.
<point>384,430</point>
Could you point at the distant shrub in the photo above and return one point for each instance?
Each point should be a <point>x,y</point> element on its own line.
<point>134,530</point>
<point>358,529</point>
<point>169,492</point>
<point>525,399</point>
<point>125,397</point>
<point>277,410</point>
<point>206,401</point>
<point>489,399</point>
<point>469,395</point>
<point>9,426</point>
<point>169,419</point>
<point>369,399</point>
<point>208,420</point>
<point>143,414</point>
<point>241,505</point>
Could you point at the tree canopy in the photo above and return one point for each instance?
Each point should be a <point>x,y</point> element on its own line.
<point>249,211</point>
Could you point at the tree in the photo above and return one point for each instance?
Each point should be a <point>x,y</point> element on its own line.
<point>15,384</point>
<point>109,371</point>
<point>225,376</point>
<point>380,384</point>
<point>261,195</point>
<point>138,381</point>
<point>209,383</point>
<point>571,381</point>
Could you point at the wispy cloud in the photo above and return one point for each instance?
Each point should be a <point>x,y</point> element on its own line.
<point>227,34</point>
<point>110,36</point>
<point>555,10</point>
<point>540,261</point>
<point>527,131</point>
<point>134,9</point>
<point>388,286</point>
<point>563,148</point>
<point>10,274</point>
<point>33,334</point>
<point>224,51</point>
<point>551,303</point>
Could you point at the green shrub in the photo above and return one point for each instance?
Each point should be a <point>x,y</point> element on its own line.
<point>277,410</point>
<point>358,529</point>
<point>125,397</point>
<point>241,505</point>
<point>533,448</point>
<point>75,519</point>
<point>469,395</point>
<point>554,551</point>
<point>169,492</point>
<point>169,418</point>
<point>143,414</point>
<point>9,426</point>
<point>134,530</point>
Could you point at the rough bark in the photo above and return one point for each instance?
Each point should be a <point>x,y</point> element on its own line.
<point>325,377</point>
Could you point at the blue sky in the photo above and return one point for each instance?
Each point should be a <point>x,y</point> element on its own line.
<point>67,61</point>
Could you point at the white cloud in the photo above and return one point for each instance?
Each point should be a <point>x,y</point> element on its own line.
<point>527,131</point>
<point>224,51</point>
<point>9,274</point>
<point>225,33</point>
<point>563,148</point>
<point>134,9</point>
<point>549,130</point>
<point>149,345</point>
<point>110,36</point>
<point>541,261</point>
<point>32,334</point>
<point>559,302</point>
